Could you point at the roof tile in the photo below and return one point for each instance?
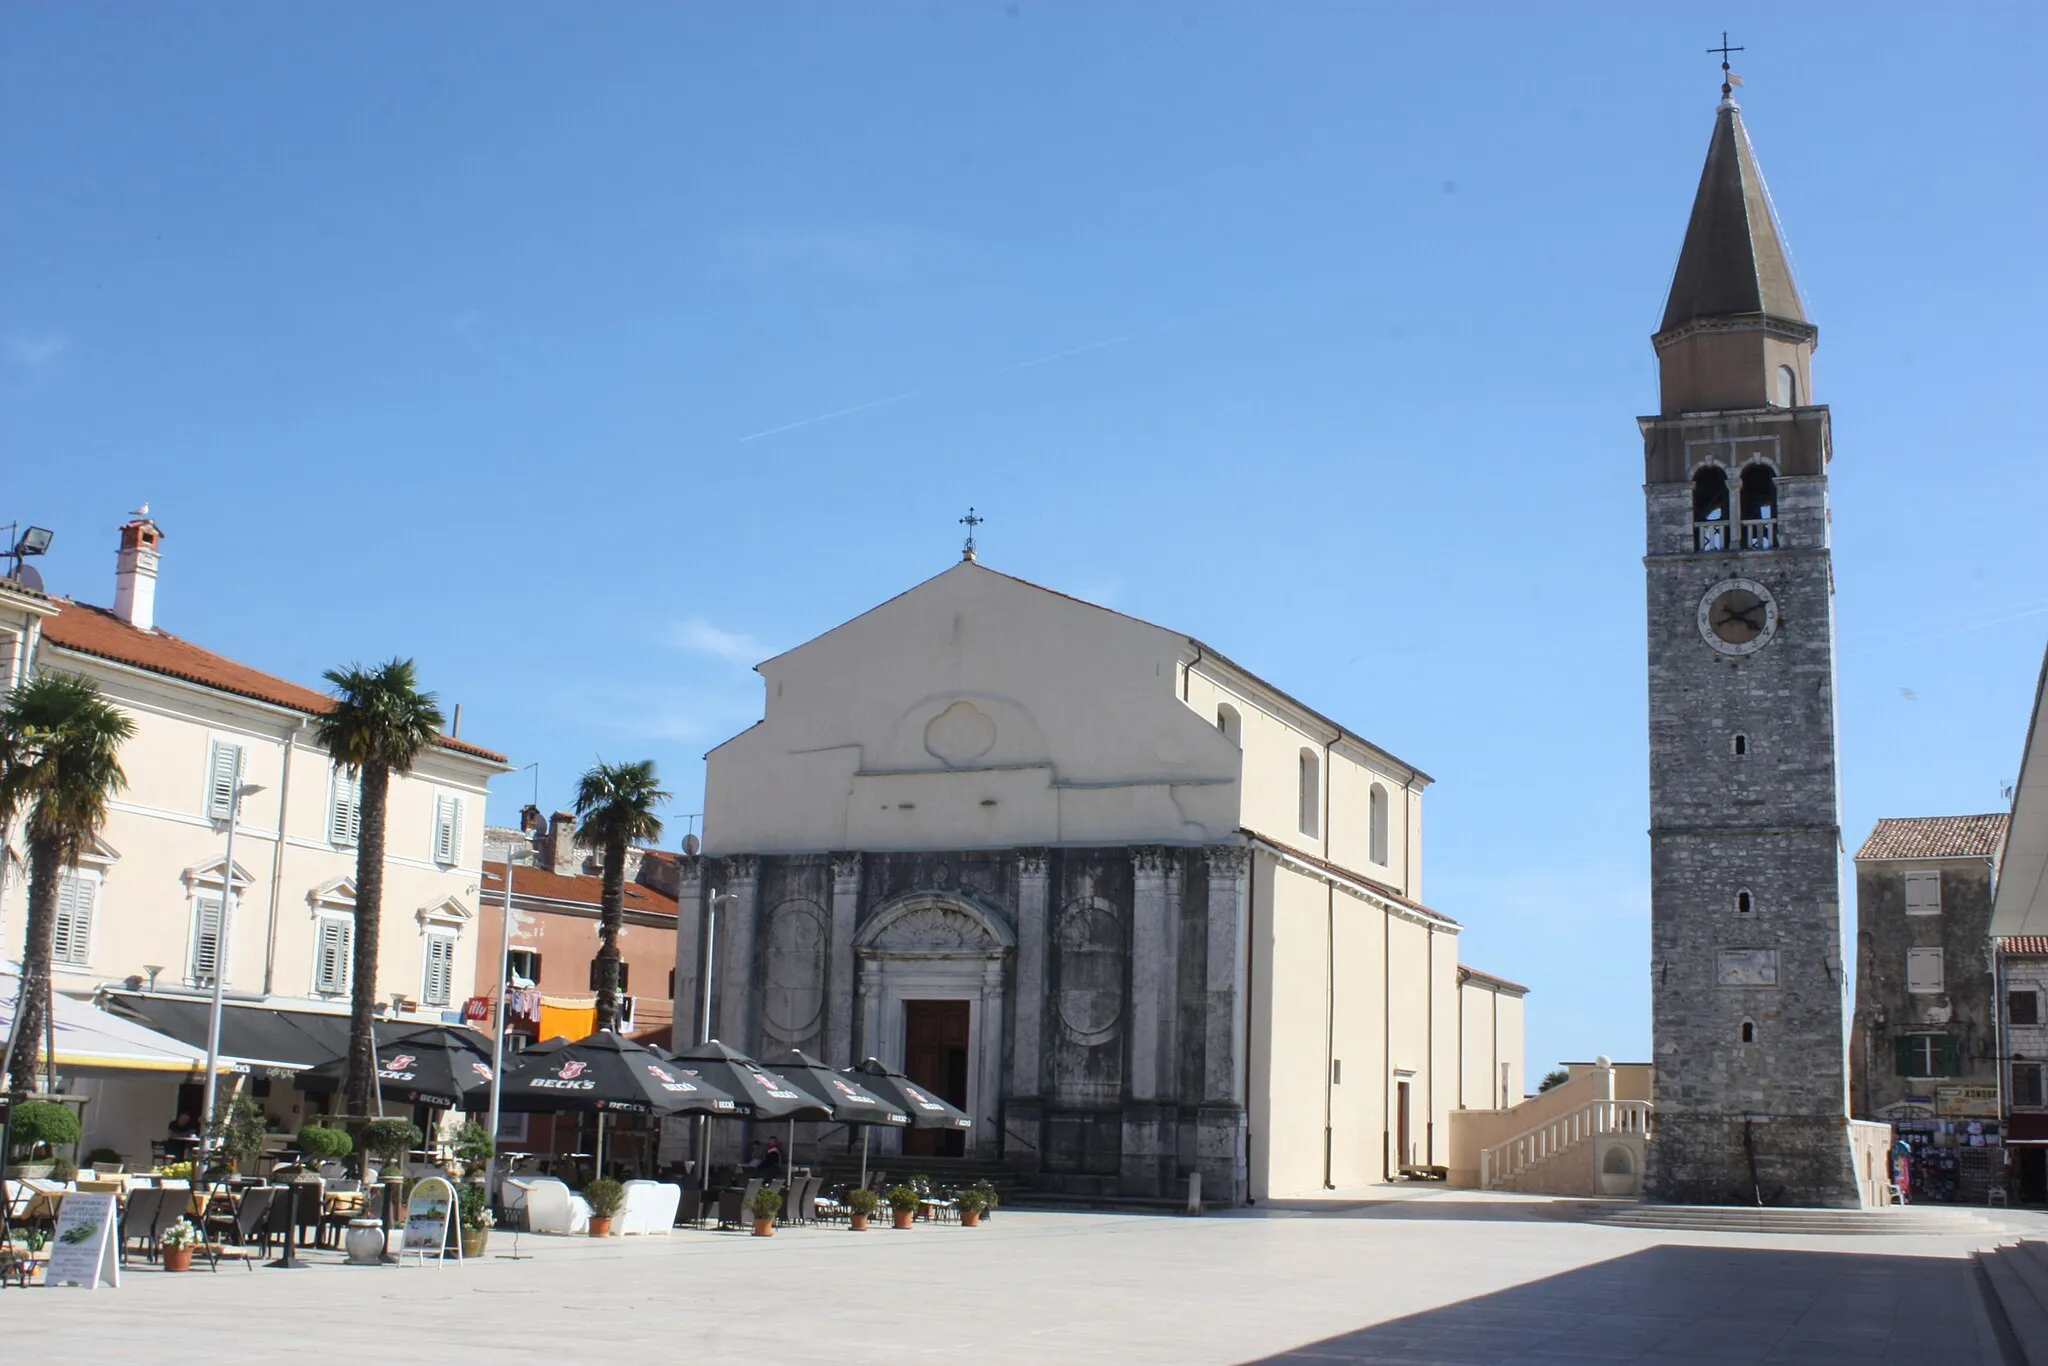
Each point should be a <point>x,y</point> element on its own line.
<point>1917,837</point>
<point>2030,945</point>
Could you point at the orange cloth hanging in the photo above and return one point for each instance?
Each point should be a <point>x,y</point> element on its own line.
<point>574,1018</point>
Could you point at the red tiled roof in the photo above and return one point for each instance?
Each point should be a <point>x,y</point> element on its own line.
<point>1913,837</point>
<point>95,631</point>
<point>1378,888</point>
<point>1503,983</point>
<point>2027,945</point>
<point>582,888</point>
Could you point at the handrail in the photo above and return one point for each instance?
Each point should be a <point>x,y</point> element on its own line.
<point>1554,1135</point>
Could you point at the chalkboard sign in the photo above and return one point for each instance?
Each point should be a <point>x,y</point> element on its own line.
<point>83,1249</point>
<point>429,1213</point>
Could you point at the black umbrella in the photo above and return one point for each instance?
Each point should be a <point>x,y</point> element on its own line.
<point>769,1094</point>
<point>926,1109</point>
<point>850,1104</point>
<point>434,1065</point>
<point>605,1074</point>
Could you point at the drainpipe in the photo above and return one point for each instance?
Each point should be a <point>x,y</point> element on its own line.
<point>1386,1045</point>
<point>1329,1030</point>
<point>1184,673</point>
<point>284,806</point>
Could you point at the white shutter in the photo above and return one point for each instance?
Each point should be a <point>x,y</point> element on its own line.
<point>1923,893</point>
<point>223,763</point>
<point>331,955</point>
<point>75,898</point>
<point>439,984</point>
<point>447,829</point>
<point>205,938</point>
<point>345,819</point>
<point>1923,970</point>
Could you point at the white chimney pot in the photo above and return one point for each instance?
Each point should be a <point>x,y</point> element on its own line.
<point>135,574</point>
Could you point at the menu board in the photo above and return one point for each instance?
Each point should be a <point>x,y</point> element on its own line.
<point>83,1251</point>
<point>428,1212</point>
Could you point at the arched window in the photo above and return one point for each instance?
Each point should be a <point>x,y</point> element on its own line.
<point>1744,903</point>
<point>1788,387</point>
<point>1376,814</point>
<point>1710,507</point>
<point>1759,508</point>
<point>1740,745</point>
<point>1311,794</point>
<point>1230,723</point>
<point>1749,1031</point>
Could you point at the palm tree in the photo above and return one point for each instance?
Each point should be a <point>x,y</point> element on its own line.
<point>616,802</point>
<point>378,726</point>
<point>60,760</point>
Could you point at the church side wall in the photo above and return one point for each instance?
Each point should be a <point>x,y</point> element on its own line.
<point>1293,1022</point>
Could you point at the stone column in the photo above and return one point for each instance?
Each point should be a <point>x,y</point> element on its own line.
<point>868,1010</point>
<point>1219,1142</point>
<point>735,965</point>
<point>1027,1080</point>
<point>1147,1155</point>
<point>839,965</point>
<point>689,1002</point>
<point>986,1135</point>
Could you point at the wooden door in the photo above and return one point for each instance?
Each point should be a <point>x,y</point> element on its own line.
<point>1404,1148</point>
<point>935,1054</point>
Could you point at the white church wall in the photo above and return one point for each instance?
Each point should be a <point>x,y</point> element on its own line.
<point>1290,962</point>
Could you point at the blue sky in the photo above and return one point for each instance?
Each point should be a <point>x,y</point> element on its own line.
<point>591,353</point>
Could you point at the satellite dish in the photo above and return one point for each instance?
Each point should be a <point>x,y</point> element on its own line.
<point>690,845</point>
<point>29,577</point>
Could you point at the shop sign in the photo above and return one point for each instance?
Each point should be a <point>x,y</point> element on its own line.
<point>477,1008</point>
<point>82,1247</point>
<point>428,1213</point>
<point>1971,1102</point>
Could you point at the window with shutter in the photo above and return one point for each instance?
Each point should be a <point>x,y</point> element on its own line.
<point>624,974</point>
<point>345,818</point>
<point>206,946</point>
<point>2027,1085</point>
<point>76,897</point>
<point>332,949</point>
<point>438,982</point>
<point>223,765</point>
<point>447,829</point>
<point>1928,1055</point>
<point>1923,893</point>
<point>1923,970</point>
<point>524,965</point>
<point>2023,1007</point>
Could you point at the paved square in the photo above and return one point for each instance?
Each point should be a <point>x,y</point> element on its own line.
<point>1451,1277</point>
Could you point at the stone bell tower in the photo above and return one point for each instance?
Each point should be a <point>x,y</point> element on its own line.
<point>1748,990</point>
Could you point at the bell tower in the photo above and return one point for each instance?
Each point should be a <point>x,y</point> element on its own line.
<point>1749,1000</point>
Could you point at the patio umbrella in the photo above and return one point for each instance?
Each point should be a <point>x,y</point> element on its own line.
<point>606,1074</point>
<point>850,1104</point>
<point>770,1096</point>
<point>925,1109</point>
<point>435,1065</point>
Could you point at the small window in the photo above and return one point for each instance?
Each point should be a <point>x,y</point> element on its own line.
<point>1740,745</point>
<point>2023,1007</point>
<point>624,974</point>
<point>1231,724</point>
<point>1744,903</point>
<point>77,894</point>
<point>1759,490</point>
<point>206,950</point>
<point>333,946</point>
<point>1311,794</point>
<point>437,981</point>
<point>447,829</point>
<point>1928,1055</point>
<point>1376,814</point>
<point>1749,1031</point>
<point>227,766</point>
<point>345,809</point>
<point>671,984</point>
<point>2027,1085</point>
<point>1923,971</point>
<point>1923,893</point>
<point>524,966</point>
<point>1788,387</point>
<point>1336,1071</point>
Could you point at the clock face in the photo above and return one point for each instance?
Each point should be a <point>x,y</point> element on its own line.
<point>1738,617</point>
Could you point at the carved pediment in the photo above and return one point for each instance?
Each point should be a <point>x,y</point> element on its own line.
<point>934,923</point>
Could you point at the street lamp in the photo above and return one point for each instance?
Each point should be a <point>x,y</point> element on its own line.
<point>498,990</point>
<point>237,789</point>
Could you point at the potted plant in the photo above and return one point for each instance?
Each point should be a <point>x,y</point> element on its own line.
<point>62,1168</point>
<point>970,1202</point>
<point>473,1149</point>
<point>861,1203</point>
<point>903,1203</point>
<point>476,1219</point>
<point>390,1139</point>
<point>766,1204</point>
<point>238,1133</point>
<point>320,1144</point>
<point>178,1242</point>
<point>40,1127</point>
<point>605,1197</point>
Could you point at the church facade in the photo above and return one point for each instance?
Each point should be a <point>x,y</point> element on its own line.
<point>1140,913</point>
<point>1749,986</point>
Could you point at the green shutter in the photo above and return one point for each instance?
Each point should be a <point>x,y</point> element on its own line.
<point>1904,1053</point>
<point>1950,1062</point>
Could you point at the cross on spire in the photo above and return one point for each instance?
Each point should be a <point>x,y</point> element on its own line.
<point>1729,80</point>
<point>970,521</point>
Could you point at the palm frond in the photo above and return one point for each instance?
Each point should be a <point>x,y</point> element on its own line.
<point>618,801</point>
<point>380,716</point>
<point>60,760</point>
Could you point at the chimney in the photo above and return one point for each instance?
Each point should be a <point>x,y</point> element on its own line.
<point>562,857</point>
<point>135,571</point>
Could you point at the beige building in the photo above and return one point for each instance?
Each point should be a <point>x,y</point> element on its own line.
<point>1491,1072</point>
<point>140,920</point>
<point>1137,910</point>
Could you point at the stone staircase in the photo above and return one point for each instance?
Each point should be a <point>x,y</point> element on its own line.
<point>1896,1221</point>
<point>2014,1279</point>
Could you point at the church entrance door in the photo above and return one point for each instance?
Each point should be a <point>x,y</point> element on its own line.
<point>936,1050</point>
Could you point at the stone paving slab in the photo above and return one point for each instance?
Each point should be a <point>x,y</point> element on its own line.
<point>1445,1281</point>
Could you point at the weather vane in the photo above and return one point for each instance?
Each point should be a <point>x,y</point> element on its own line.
<point>1729,80</point>
<point>970,521</point>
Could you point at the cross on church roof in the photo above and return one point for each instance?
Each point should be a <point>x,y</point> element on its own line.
<point>1729,80</point>
<point>970,521</point>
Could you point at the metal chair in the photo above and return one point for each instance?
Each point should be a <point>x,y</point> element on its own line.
<point>138,1219</point>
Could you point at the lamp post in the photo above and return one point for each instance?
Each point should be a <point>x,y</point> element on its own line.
<point>704,1028</point>
<point>237,789</point>
<point>498,993</point>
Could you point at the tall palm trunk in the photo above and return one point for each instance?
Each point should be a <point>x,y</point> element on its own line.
<point>45,870</point>
<point>610,916</point>
<point>362,1038</point>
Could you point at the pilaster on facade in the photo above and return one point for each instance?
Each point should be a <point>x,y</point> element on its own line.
<point>839,1003</point>
<point>1033,914</point>
<point>1152,970</point>
<point>737,911</point>
<point>690,988</point>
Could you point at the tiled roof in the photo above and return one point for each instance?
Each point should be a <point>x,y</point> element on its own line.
<point>1501,982</point>
<point>582,888</point>
<point>2029,945</point>
<point>95,631</point>
<point>1378,888</point>
<point>1911,837</point>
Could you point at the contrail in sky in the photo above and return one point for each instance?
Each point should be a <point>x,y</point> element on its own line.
<point>986,374</point>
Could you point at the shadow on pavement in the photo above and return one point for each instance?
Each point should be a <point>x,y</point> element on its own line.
<point>1697,1304</point>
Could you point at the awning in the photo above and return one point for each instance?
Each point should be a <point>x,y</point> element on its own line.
<point>2025,1129</point>
<point>261,1036</point>
<point>91,1042</point>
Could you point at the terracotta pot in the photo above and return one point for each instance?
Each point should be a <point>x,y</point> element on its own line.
<point>764,1228</point>
<point>970,1218</point>
<point>177,1259</point>
<point>474,1241</point>
<point>600,1225</point>
<point>903,1217</point>
<point>859,1222</point>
